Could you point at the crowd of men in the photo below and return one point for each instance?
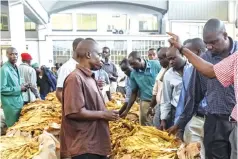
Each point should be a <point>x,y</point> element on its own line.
<point>189,89</point>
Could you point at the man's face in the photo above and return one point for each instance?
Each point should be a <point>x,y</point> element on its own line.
<point>175,59</point>
<point>12,56</point>
<point>152,55</point>
<point>95,58</point>
<point>164,62</point>
<point>105,53</point>
<point>215,42</point>
<point>135,63</point>
<point>126,69</point>
<point>193,49</point>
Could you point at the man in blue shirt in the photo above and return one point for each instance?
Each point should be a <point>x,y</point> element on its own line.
<point>220,100</point>
<point>142,79</point>
<point>197,46</point>
<point>193,132</point>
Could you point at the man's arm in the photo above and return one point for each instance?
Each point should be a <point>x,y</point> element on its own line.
<point>154,92</point>
<point>74,103</point>
<point>134,90</point>
<point>62,74</point>
<point>7,90</point>
<point>193,97</point>
<point>201,65</point>
<point>113,77</point>
<point>107,80</point>
<point>180,106</point>
<point>225,70</point>
<point>34,85</point>
<point>128,95</point>
<point>85,114</point>
<point>204,67</point>
<point>59,92</point>
<point>165,106</point>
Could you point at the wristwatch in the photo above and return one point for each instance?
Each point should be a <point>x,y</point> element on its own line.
<point>181,49</point>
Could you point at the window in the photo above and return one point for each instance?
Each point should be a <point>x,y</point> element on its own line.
<point>29,25</point>
<point>62,51</point>
<point>142,46</point>
<point>61,22</point>
<point>118,49</point>
<point>148,23</point>
<point>118,22</point>
<point>87,22</point>
<point>4,22</point>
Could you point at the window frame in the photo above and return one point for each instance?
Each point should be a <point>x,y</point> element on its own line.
<point>148,31</point>
<point>110,30</point>
<point>7,21</point>
<point>63,29</point>
<point>85,30</point>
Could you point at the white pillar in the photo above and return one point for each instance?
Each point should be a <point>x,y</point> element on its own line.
<point>17,25</point>
<point>231,11</point>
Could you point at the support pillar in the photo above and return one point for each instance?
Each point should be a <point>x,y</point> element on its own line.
<point>17,25</point>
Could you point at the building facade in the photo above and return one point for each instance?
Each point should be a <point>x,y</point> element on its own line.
<point>120,25</point>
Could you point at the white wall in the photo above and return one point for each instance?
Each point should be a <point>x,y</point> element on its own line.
<point>193,29</point>
<point>46,52</point>
<point>33,49</point>
<point>101,10</point>
<point>198,9</point>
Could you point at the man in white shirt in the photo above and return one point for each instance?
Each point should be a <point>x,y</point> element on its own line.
<point>66,69</point>
<point>172,86</point>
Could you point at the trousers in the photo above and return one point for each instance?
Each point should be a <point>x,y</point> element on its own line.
<point>194,132</point>
<point>156,118</point>
<point>217,133</point>
<point>144,119</point>
<point>89,156</point>
<point>233,141</point>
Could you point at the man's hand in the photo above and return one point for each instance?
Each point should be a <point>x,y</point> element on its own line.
<point>151,112</point>
<point>123,108</point>
<point>124,114</point>
<point>122,79</point>
<point>111,115</point>
<point>173,130</point>
<point>110,75</point>
<point>23,88</point>
<point>100,83</point>
<point>163,125</point>
<point>174,40</point>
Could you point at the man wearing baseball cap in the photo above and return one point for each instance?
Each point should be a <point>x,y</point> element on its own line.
<point>28,76</point>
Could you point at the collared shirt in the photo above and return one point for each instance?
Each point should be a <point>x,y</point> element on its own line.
<point>110,68</point>
<point>157,89</point>
<point>227,73</point>
<point>28,75</point>
<point>172,86</point>
<point>79,137</point>
<point>65,70</point>
<point>128,89</point>
<point>102,75</point>
<point>180,107</point>
<point>144,80</point>
<point>220,100</point>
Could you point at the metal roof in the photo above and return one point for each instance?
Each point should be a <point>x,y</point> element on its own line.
<point>54,6</point>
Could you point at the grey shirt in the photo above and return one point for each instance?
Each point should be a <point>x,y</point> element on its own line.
<point>28,75</point>
<point>110,68</point>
